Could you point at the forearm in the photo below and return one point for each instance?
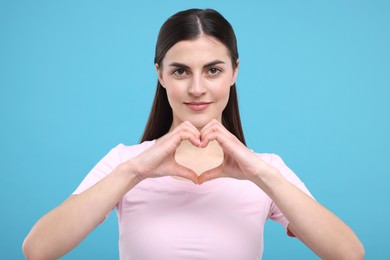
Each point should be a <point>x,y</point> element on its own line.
<point>66,226</point>
<point>317,227</point>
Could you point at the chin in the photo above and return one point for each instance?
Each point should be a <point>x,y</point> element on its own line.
<point>198,121</point>
<point>201,123</point>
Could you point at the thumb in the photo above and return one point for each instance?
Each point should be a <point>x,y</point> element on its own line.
<point>181,171</point>
<point>211,174</point>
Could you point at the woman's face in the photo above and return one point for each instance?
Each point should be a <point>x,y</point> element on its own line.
<point>197,75</point>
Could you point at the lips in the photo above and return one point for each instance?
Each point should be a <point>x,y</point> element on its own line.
<point>197,106</point>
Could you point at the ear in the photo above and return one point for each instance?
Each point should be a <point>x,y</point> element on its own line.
<point>235,73</point>
<point>159,74</point>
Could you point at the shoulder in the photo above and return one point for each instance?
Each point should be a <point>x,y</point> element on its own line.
<point>126,152</point>
<point>271,158</point>
<point>276,161</point>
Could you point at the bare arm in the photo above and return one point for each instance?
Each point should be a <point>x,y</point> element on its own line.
<point>66,226</point>
<point>322,231</point>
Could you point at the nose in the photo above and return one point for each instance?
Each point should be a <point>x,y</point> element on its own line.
<point>197,87</point>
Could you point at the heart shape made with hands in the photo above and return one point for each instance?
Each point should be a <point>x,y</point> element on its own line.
<point>199,159</point>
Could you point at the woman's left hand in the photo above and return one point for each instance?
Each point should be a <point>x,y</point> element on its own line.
<point>239,161</point>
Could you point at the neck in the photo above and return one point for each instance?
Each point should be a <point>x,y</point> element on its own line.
<point>213,149</point>
<point>199,159</point>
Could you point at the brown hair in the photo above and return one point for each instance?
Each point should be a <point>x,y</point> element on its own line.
<point>188,25</point>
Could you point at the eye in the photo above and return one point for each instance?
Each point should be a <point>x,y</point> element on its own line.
<point>179,72</point>
<point>214,71</point>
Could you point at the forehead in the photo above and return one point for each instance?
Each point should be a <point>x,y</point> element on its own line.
<point>200,50</point>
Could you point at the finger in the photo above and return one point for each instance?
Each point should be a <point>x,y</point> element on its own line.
<point>176,137</point>
<point>216,131</point>
<point>192,129</point>
<point>231,146</point>
<point>186,131</point>
<point>212,122</point>
<point>163,149</point>
<point>211,174</point>
<point>208,132</point>
<point>210,127</point>
<point>181,171</point>
<point>185,126</point>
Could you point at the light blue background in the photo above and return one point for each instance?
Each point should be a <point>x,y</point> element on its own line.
<point>77,78</point>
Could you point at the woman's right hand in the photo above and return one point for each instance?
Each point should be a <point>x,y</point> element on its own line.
<point>80,214</point>
<point>159,160</point>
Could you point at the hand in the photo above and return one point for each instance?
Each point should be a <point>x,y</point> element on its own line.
<point>239,161</point>
<point>159,160</point>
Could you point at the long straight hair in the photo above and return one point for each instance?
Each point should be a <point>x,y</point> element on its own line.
<point>188,25</point>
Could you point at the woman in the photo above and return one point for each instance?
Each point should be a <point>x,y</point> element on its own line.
<point>171,198</point>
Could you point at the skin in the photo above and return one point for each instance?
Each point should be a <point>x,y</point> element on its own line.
<point>195,72</point>
<point>192,133</point>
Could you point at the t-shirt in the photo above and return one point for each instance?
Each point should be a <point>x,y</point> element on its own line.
<point>168,218</point>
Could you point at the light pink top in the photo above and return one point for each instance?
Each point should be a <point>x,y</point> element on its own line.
<point>166,218</point>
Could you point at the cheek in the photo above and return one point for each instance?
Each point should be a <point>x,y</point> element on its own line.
<point>174,91</point>
<point>227,95</point>
<point>222,96</point>
<point>224,90</point>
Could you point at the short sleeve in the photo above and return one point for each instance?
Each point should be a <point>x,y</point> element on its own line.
<point>103,168</point>
<point>108,163</point>
<point>275,213</point>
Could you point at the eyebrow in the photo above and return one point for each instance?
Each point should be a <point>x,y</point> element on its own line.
<point>184,66</point>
